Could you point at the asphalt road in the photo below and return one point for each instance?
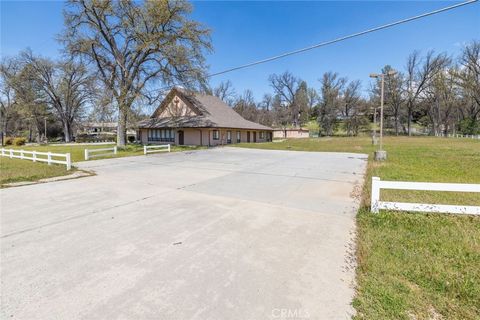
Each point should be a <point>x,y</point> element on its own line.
<point>227,233</point>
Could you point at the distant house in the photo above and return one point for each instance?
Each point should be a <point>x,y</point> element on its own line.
<point>188,118</point>
<point>98,127</point>
<point>101,129</point>
<point>291,133</point>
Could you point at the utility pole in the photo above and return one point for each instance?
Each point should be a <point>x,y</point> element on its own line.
<point>380,154</point>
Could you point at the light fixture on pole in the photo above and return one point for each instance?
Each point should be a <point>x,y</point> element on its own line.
<point>380,154</point>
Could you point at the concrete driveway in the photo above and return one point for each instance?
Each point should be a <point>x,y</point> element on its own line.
<point>227,233</point>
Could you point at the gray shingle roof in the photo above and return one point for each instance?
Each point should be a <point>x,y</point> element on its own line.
<point>211,113</point>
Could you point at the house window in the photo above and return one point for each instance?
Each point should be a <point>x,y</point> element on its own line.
<point>229,136</point>
<point>160,135</point>
<point>216,135</point>
<point>239,137</point>
<point>262,134</point>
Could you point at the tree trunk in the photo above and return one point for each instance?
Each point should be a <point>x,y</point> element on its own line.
<point>122,126</point>
<point>409,122</point>
<point>4,129</point>
<point>66,131</point>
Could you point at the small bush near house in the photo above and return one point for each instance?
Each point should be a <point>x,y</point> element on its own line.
<point>131,139</point>
<point>95,138</point>
<point>8,141</point>
<point>19,141</point>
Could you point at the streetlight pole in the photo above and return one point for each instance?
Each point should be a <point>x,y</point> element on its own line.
<point>374,131</point>
<point>380,154</point>
<point>381,113</point>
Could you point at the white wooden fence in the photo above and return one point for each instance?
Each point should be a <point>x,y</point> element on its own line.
<point>36,156</point>
<point>161,148</point>
<point>467,136</point>
<point>92,153</point>
<point>376,204</point>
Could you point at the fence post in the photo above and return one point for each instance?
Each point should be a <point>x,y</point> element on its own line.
<point>3,152</point>
<point>21,154</point>
<point>11,153</point>
<point>169,147</point>
<point>115,150</point>
<point>86,154</point>
<point>375,194</point>
<point>145,150</point>
<point>34,156</point>
<point>49,158</point>
<point>69,161</point>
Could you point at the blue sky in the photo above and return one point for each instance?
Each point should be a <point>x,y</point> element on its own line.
<point>247,31</point>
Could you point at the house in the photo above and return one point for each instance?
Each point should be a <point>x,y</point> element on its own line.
<point>102,130</point>
<point>188,118</point>
<point>291,133</point>
<point>98,127</point>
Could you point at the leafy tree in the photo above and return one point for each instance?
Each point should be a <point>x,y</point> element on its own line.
<point>300,108</point>
<point>135,45</point>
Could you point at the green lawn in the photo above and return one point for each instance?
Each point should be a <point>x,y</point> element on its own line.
<point>16,170</point>
<point>413,265</point>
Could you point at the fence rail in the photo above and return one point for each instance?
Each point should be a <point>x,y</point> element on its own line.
<point>92,153</point>
<point>377,185</point>
<point>466,136</point>
<point>34,156</point>
<point>162,148</point>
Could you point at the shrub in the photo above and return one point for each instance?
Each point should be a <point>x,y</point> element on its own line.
<point>8,141</point>
<point>131,139</point>
<point>95,138</point>
<point>19,141</point>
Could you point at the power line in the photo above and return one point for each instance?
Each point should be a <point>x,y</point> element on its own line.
<point>322,44</point>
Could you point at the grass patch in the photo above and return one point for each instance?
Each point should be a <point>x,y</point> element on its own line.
<point>413,265</point>
<point>16,170</point>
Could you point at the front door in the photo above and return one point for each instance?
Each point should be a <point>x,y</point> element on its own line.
<point>248,136</point>
<point>180,137</point>
<point>254,136</point>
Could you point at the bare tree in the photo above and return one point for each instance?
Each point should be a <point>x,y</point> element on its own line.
<point>442,102</point>
<point>9,69</point>
<point>66,86</point>
<point>225,92</point>
<point>265,113</point>
<point>469,82</point>
<point>246,107</point>
<point>137,44</point>
<point>313,98</point>
<point>267,102</point>
<point>331,89</point>
<point>420,73</point>
<point>394,95</point>
<point>285,87</point>
<point>351,110</point>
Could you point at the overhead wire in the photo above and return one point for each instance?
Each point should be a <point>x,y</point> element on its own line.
<point>329,42</point>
